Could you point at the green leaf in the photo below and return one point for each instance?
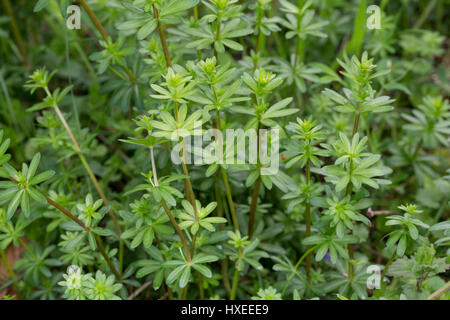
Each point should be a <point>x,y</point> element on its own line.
<point>184,279</point>
<point>33,166</point>
<point>203,270</point>
<point>401,247</point>
<point>41,4</point>
<point>25,204</point>
<point>175,274</point>
<point>14,204</point>
<point>43,176</point>
<point>147,29</point>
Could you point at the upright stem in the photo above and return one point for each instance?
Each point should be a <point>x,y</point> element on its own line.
<point>187,182</point>
<point>299,41</point>
<point>230,200</point>
<point>439,292</point>
<point>217,37</point>
<point>223,262</point>
<point>94,19</point>
<point>388,264</point>
<point>85,164</point>
<point>200,286</point>
<point>255,193</point>
<point>308,221</point>
<point>235,284</point>
<point>28,249</point>
<point>177,228</point>
<point>199,52</point>
<point>253,205</point>
<point>236,277</point>
<point>296,267</point>
<point>98,25</point>
<point>168,212</point>
<point>162,38</point>
<point>11,273</point>
<point>16,32</point>
<point>22,243</point>
<point>259,42</point>
<point>348,190</point>
<point>224,172</point>
<point>82,225</point>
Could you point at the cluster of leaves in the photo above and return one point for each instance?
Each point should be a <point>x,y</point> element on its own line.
<point>95,163</point>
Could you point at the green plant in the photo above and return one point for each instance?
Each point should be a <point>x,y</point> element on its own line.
<point>224,149</point>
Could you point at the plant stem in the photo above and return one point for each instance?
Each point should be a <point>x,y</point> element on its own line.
<point>348,190</point>
<point>223,262</point>
<point>188,185</point>
<point>308,221</point>
<point>255,193</point>
<point>103,33</point>
<point>28,249</point>
<point>199,52</point>
<point>388,264</point>
<point>236,277</point>
<point>296,267</point>
<point>169,213</point>
<point>425,14</point>
<point>85,164</point>
<point>100,192</point>
<point>11,273</point>
<point>217,37</point>
<point>105,256</point>
<point>230,199</point>
<point>299,41</point>
<point>439,292</point>
<point>259,41</point>
<point>200,286</point>
<point>81,224</point>
<point>16,32</point>
<point>94,19</point>
<point>253,205</point>
<point>162,38</point>
<point>235,284</point>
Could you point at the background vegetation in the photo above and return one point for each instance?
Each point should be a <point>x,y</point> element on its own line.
<point>93,208</point>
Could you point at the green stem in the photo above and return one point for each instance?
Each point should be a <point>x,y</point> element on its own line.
<point>27,248</point>
<point>199,52</point>
<point>299,42</point>
<point>236,277</point>
<point>388,264</point>
<point>106,257</point>
<point>425,14</point>
<point>348,191</point>
<point>235,284</point>
<point>16,33</point>
<point>168,212</point>
<point>439,292</point>
<point>82,225</point>
<point>85,163</point>
<point>230,200</point>
<point>11,273</point>
<point>253,205</point>
<point>255,193</point>
<point>217,37</point>
<point>308,221</point>
<point>162,38</point>
<point>98,25</point>
<point>200,286</point>
<point>177,228</point>
<point>296,267</point>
